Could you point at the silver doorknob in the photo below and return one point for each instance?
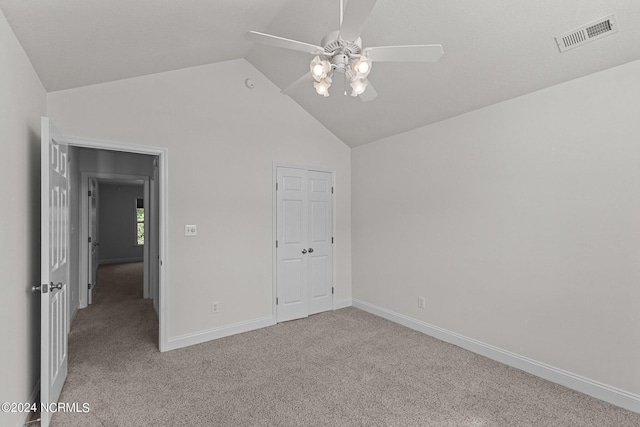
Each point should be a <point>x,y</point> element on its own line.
<point>304,251</point>
<point>36,288</point>
<point>310,250</point>
<point>56,286</point>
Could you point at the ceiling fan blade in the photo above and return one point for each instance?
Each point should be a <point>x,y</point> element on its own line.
<point>411,53</point>
<point>306,78</point>
<point>369,93</point>
<point>282,42</point>
<point>354,18</point>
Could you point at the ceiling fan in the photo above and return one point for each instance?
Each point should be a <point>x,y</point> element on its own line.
<point>341,52</point>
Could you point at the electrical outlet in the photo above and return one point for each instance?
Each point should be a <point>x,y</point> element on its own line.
<point>190,230</point>
<point>421,302</point>
<point>214,307</point>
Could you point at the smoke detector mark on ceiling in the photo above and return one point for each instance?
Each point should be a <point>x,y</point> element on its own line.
<point>587,33</point>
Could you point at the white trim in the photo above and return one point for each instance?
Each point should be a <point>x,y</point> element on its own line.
<point>32,399</point>
<point>116,146</point>
<point>121,260</point>
<point>274,204</point>
<point>342,303</point>
<point>220,332</point>
<point>153,235</point>
<point>145,246</point>
<point>82,244</point>
<point>334,230</point>
<point>584,385</point>
<point>163,244</point>
<point>274,237</point>
<point>304,167</point>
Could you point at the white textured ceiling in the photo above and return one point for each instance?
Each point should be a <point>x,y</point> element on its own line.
<point>494,50</point>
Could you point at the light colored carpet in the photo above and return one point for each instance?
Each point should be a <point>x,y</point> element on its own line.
<point>340,368</point>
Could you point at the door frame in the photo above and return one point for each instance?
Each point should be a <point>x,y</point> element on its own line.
<point>274,231</point>
<point>163,223</point>
<point>84,227</point>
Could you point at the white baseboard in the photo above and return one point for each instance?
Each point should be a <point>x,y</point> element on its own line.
<point>342,303</point>
<point>236,328</point>
<point>120,260</point>
<point>32,399</point>
<point>222,331</point>
<point>584,385</point>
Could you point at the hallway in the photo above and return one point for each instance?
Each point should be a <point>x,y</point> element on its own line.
<point>119,322</point>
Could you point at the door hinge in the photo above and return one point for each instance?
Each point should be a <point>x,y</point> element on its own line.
<point>276,300</point>
<point>331,190</point>
<point>89,239</point>
<point>276,243</point>
<point>88,285</point>
<point>276,186</point>
<point>332,240</point>
<point>332,290</point>
<point>89,193</point>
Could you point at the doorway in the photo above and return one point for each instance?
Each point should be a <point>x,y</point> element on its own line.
<point>155,189</point>
<point>304,242</point>
<point>115,238</point>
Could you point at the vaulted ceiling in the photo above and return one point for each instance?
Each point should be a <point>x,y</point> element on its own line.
<point>494,50</point>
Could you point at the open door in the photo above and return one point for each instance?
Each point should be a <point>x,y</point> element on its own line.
<point>93,239</point>
<point>54,267</point>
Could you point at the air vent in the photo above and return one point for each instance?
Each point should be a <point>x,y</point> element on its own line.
<point>587,33</point>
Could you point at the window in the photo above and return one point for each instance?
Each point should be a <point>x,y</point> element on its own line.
<point>139,221</point>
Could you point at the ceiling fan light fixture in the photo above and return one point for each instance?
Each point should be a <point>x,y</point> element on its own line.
<point>358,86</point>
<point>361,66</point>
<point>341,51</point>
<point>322,87</point>
<point>319,68</point>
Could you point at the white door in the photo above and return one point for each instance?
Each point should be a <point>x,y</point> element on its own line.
<point>93,239</point>
<point>304,267</point>
<point>320,251</point>
<point>292,233</point>
<point>54,266</point>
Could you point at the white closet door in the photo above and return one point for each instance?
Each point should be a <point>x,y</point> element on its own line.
<point>292,234</point>
<point>304,257</point>
<point>320,250</point>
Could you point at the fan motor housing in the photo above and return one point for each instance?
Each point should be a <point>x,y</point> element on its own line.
<point>333,44</point>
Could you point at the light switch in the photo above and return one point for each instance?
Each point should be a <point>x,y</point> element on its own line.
<point>190,230</point>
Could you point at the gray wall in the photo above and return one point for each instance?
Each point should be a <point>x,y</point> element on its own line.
<point>115,162</point>
<point>117,215</point>
<point>22,103</point>
<point>519,223</point>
